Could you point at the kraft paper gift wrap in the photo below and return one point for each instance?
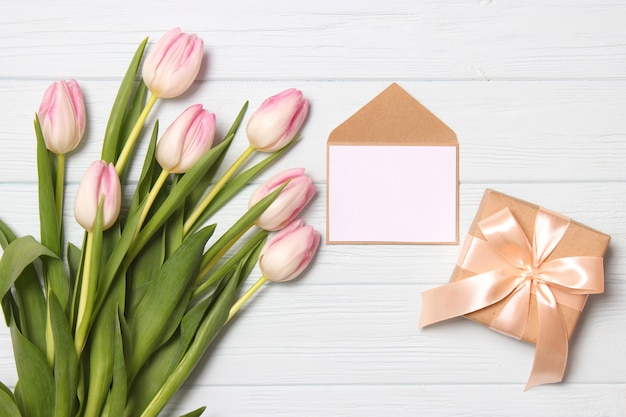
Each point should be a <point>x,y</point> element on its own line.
<point>526,272</point>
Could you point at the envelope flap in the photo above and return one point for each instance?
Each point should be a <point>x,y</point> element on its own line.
<point>393,117</point>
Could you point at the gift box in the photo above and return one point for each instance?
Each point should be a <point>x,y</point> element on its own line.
<point>526,272</point>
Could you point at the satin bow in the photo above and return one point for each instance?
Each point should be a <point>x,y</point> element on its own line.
<point>508,266</point>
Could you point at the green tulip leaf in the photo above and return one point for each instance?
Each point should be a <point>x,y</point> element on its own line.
<point>160,310</point>
<point>153,375</point>
<point>191,321</point>
<point>193,318</point>
<point>144,268</point>
<point>112,267</point>
<point>7,391</point>
<point>49,228</point>
<point>65,361</point>
<point>249,262</point>
<point>111,145</point>
<point>29,295</point>
<point>116,402</point>
<point>136,105</point>
<point>101,357</point>
<point>6,235</point>
<point>174,232</point>
<point>3,240</point>
<point>149,172</point>
<point>35,389</point>
<point>8,408</point>
<point>11,310</point>
<point>30,298</point>
<point>73,256</point>
<point>17,256</point>
<point>195,413</point>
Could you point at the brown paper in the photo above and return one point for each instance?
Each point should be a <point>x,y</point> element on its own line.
<point>579,240</point>
<point>393,117</point>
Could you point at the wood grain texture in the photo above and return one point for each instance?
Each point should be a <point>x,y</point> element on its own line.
<point>483,40</point>
<point>536,93</point>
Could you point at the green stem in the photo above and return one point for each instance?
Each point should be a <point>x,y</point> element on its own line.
<point>82,319</point>
<point>134,134</point>
<point>60,188</point>
<point>49,335</point>
<point>154,191</point>
<point>195,215</point>
<point>254,288</point>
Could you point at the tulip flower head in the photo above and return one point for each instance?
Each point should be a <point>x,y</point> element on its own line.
<point>100,183</point>
<point>172,66</point>
<point>289,203</point>
<point>277,121</point>
<point>186,140</point>
<point>62,116</point>
<point>288,252</point>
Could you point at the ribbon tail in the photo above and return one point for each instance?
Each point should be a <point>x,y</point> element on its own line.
<point>552,342</point>
<point>465,296</point>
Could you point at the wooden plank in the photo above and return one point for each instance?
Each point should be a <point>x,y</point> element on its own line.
<point>508,131</point>
<point>326,40</point>
<point>292,334</point>
<point>490,400</point>
<point>597,205</point>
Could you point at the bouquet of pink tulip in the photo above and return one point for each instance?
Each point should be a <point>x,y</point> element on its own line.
<point>113,327</point>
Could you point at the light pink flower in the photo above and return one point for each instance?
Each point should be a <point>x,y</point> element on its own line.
<point>289,203</point>
<point>288,252</point>
<point>173,64</point>
<point>62,116</point>
<point>100,183</point>
<point>273,125</point>
<point>185,141</point>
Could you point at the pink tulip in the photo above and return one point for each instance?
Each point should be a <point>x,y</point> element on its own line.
<point>277,121</point>
<point>62,116</point>
<point>100,182</point>
<point>289,203</point>
<point>185,141</point>
<point>172,66</point>
<point>288,252</point>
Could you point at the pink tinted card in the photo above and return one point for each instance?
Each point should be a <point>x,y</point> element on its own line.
<point>392,194</point>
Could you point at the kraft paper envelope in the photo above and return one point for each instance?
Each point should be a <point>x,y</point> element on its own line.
<point>392,175</point>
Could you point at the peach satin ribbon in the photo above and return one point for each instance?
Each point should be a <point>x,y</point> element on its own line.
<point>509,266</point>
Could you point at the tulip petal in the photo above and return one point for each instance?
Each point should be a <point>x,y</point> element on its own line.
<point>289,252</point>
<point>291,201</point>
<point>62,116</point>
<point>276,122</point>
<point>186,140</point>
<point>100,182</point>
<point>172,66</point>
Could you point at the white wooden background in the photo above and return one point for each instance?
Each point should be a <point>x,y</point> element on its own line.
<point>536,92</point>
